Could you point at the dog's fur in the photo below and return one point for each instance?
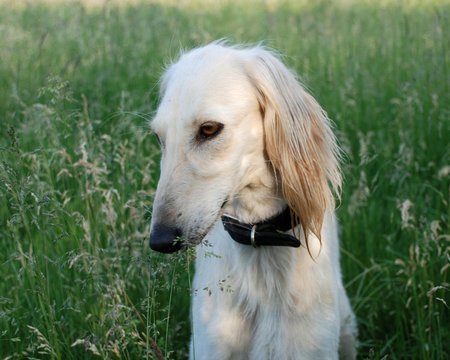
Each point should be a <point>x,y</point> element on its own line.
<point>276,148</point>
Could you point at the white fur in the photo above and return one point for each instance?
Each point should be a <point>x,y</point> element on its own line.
<point>265,303</point>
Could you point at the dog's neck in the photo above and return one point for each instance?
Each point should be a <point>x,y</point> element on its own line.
<point>257,200</point>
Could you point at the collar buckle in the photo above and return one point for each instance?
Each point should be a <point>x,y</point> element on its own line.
<point>252,236</point>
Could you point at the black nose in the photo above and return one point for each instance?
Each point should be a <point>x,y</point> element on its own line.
<point>165,239</point>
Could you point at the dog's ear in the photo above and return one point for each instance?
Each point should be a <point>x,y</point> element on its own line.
<point>298,139</point>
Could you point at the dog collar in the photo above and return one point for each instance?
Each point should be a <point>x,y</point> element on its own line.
<point>265,233</point>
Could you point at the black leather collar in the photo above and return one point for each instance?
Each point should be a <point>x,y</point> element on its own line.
<point>265,233</point>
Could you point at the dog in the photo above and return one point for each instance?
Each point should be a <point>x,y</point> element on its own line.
<point>249,174</point>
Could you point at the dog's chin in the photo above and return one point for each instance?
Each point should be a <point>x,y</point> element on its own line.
<point>196,238</point>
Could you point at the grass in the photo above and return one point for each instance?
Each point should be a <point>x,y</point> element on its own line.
<point>78,169</point>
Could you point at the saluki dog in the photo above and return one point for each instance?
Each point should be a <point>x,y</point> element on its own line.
<point>249,174</point>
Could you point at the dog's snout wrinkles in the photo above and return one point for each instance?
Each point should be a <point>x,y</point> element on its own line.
<point>165,239</point>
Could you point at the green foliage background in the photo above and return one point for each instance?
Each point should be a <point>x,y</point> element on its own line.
<point>78,83</point>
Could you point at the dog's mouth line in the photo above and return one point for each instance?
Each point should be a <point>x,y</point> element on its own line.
<point>224,202</point>
<point>199,239</point>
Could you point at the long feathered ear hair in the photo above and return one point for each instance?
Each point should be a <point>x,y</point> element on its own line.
<point>298,139</point>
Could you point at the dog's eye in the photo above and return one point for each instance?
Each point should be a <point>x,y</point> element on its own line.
<point>208,130</point>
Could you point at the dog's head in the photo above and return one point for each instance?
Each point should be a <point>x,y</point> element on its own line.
<point>238,133</point>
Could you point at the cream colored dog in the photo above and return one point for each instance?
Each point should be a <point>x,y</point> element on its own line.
<point>244,149</point>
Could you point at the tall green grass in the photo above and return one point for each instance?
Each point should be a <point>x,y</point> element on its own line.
<point>78,169</point>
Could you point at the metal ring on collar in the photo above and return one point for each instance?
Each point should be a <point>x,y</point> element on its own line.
<point>252,236</point>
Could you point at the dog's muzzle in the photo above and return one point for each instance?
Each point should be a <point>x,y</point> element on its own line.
<point>165,239</point>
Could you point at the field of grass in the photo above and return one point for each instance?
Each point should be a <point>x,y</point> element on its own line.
<point>78,168</point>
